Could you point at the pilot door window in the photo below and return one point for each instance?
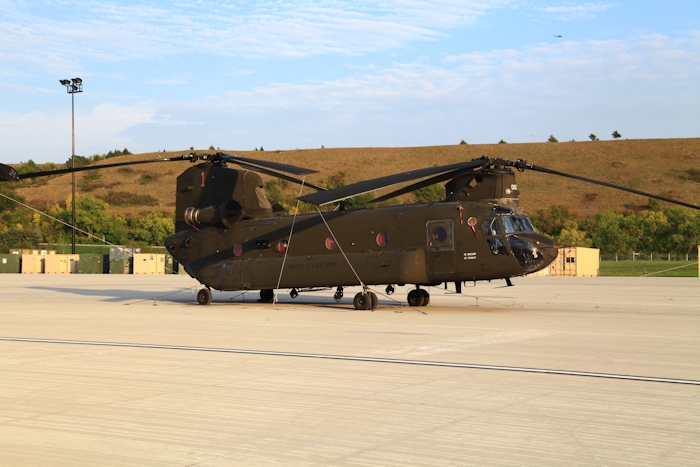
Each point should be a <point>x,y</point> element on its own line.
<point>493,232</point>
<point>440,235</point>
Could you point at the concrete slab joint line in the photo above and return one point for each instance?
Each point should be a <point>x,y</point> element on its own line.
<point>473,366</point>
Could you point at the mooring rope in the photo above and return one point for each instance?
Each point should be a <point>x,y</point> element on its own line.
<point>671,269</point>
<point>364,287</point>
<point>289,244</point>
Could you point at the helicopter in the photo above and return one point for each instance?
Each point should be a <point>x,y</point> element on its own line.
<point>229,237</point>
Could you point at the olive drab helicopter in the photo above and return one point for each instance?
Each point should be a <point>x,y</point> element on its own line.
<point>229,237</point>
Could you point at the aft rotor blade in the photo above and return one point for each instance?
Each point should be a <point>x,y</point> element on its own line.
<point>279,175</point>
<point>3,168</point>
<point>610,185</point>
<point>356,189</point>
<point>419,185</point>
<point>292,169</point>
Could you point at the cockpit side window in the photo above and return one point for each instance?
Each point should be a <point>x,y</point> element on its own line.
<point>491,227</point>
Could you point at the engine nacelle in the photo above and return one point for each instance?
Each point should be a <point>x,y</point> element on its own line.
<point>225,214</point>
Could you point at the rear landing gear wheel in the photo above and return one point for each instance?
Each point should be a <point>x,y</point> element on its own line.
<point>426,297</point>
<point>416,297</point>
<point>374,301</point>
<point>204,297</point>
<point>267,295</point>
<point>338,295</point>
<point>362,301</point>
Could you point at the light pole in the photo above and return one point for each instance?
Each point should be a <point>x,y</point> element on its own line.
<point>73,86</point>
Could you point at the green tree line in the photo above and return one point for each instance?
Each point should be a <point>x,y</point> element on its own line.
<point>23,228</point>
<point>656,230</point>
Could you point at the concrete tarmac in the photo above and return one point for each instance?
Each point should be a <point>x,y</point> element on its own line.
<point>71,404</point>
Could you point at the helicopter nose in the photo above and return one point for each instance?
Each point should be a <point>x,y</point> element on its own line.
<point>533,251</point>
<point>547,247</point>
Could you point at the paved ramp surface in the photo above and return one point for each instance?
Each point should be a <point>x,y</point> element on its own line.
<point>69,403</point>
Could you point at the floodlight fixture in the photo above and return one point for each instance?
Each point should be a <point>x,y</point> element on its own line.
<point>73,86</point>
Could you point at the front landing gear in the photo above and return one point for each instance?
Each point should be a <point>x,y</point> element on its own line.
<point>418,297</point>
<point>365,301</point>
<point>267,296</point>
<point>204,297</point>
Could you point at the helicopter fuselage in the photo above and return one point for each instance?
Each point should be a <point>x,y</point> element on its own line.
<point>419,244</point>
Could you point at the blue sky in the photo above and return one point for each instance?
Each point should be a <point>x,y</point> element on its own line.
<point>299,74</point>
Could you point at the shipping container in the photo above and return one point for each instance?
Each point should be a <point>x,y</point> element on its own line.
<point>576,261</point>
<point>10,264</point>
<point>56,264</point>
<point>119,266</point>
<point>90,264</point>
<point>32,264</point>
<point>74,261</point>
<point>149,263</point>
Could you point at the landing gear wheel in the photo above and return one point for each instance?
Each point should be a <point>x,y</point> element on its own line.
<point>362,301</point>
<point>204,297</point>
<point>267,295</point>
<point>374,301</point>
<point>426,297</point>
<point>294,293</point>
<point>416,297</point>
<point>338,295</point>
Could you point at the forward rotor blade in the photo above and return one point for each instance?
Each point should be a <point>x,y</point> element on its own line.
<point>419,185</point>
<point>292,169</point>
<point>3,168</point>
<point>8,173</point>
<point>356,189</point>
<point>279,175</point>
<point>610,185</point>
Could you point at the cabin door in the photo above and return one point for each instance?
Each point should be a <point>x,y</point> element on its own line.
<point>440,246</point>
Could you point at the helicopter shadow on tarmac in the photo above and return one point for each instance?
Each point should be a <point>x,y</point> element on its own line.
<point>125,295</point>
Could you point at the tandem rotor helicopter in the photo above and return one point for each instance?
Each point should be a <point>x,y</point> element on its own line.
<point>229,237</point>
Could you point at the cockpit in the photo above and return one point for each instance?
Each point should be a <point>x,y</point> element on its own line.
<point>504,229</point>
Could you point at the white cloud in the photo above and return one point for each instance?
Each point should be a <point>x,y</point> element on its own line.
<point>643,88</point>
<point>110,31</point>
<point>647,87</point>
<point>167,82</point>
<point>42,136</point>
<point>569,11</point>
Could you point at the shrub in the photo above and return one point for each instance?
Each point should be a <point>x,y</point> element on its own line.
<point>148,177</point>
<point>431,194</point>
<point>502,142</point>
<point>90,181</point>
<point>125,198</point>
<point>462,142</point>
<point>552,139</point>
<point>20,238</point>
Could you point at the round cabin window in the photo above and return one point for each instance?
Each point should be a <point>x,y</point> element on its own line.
<point>382,239</point>
<point>282,246</point>
<point>237,249</point>
<point>331,244</point>
<point>439,235</point>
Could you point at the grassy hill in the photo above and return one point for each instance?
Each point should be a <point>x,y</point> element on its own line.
<point>669,167</point>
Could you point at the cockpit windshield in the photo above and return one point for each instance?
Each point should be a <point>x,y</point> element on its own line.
<point>517,224</point>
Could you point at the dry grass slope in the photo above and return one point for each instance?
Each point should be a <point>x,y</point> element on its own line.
<point>668,167</point>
